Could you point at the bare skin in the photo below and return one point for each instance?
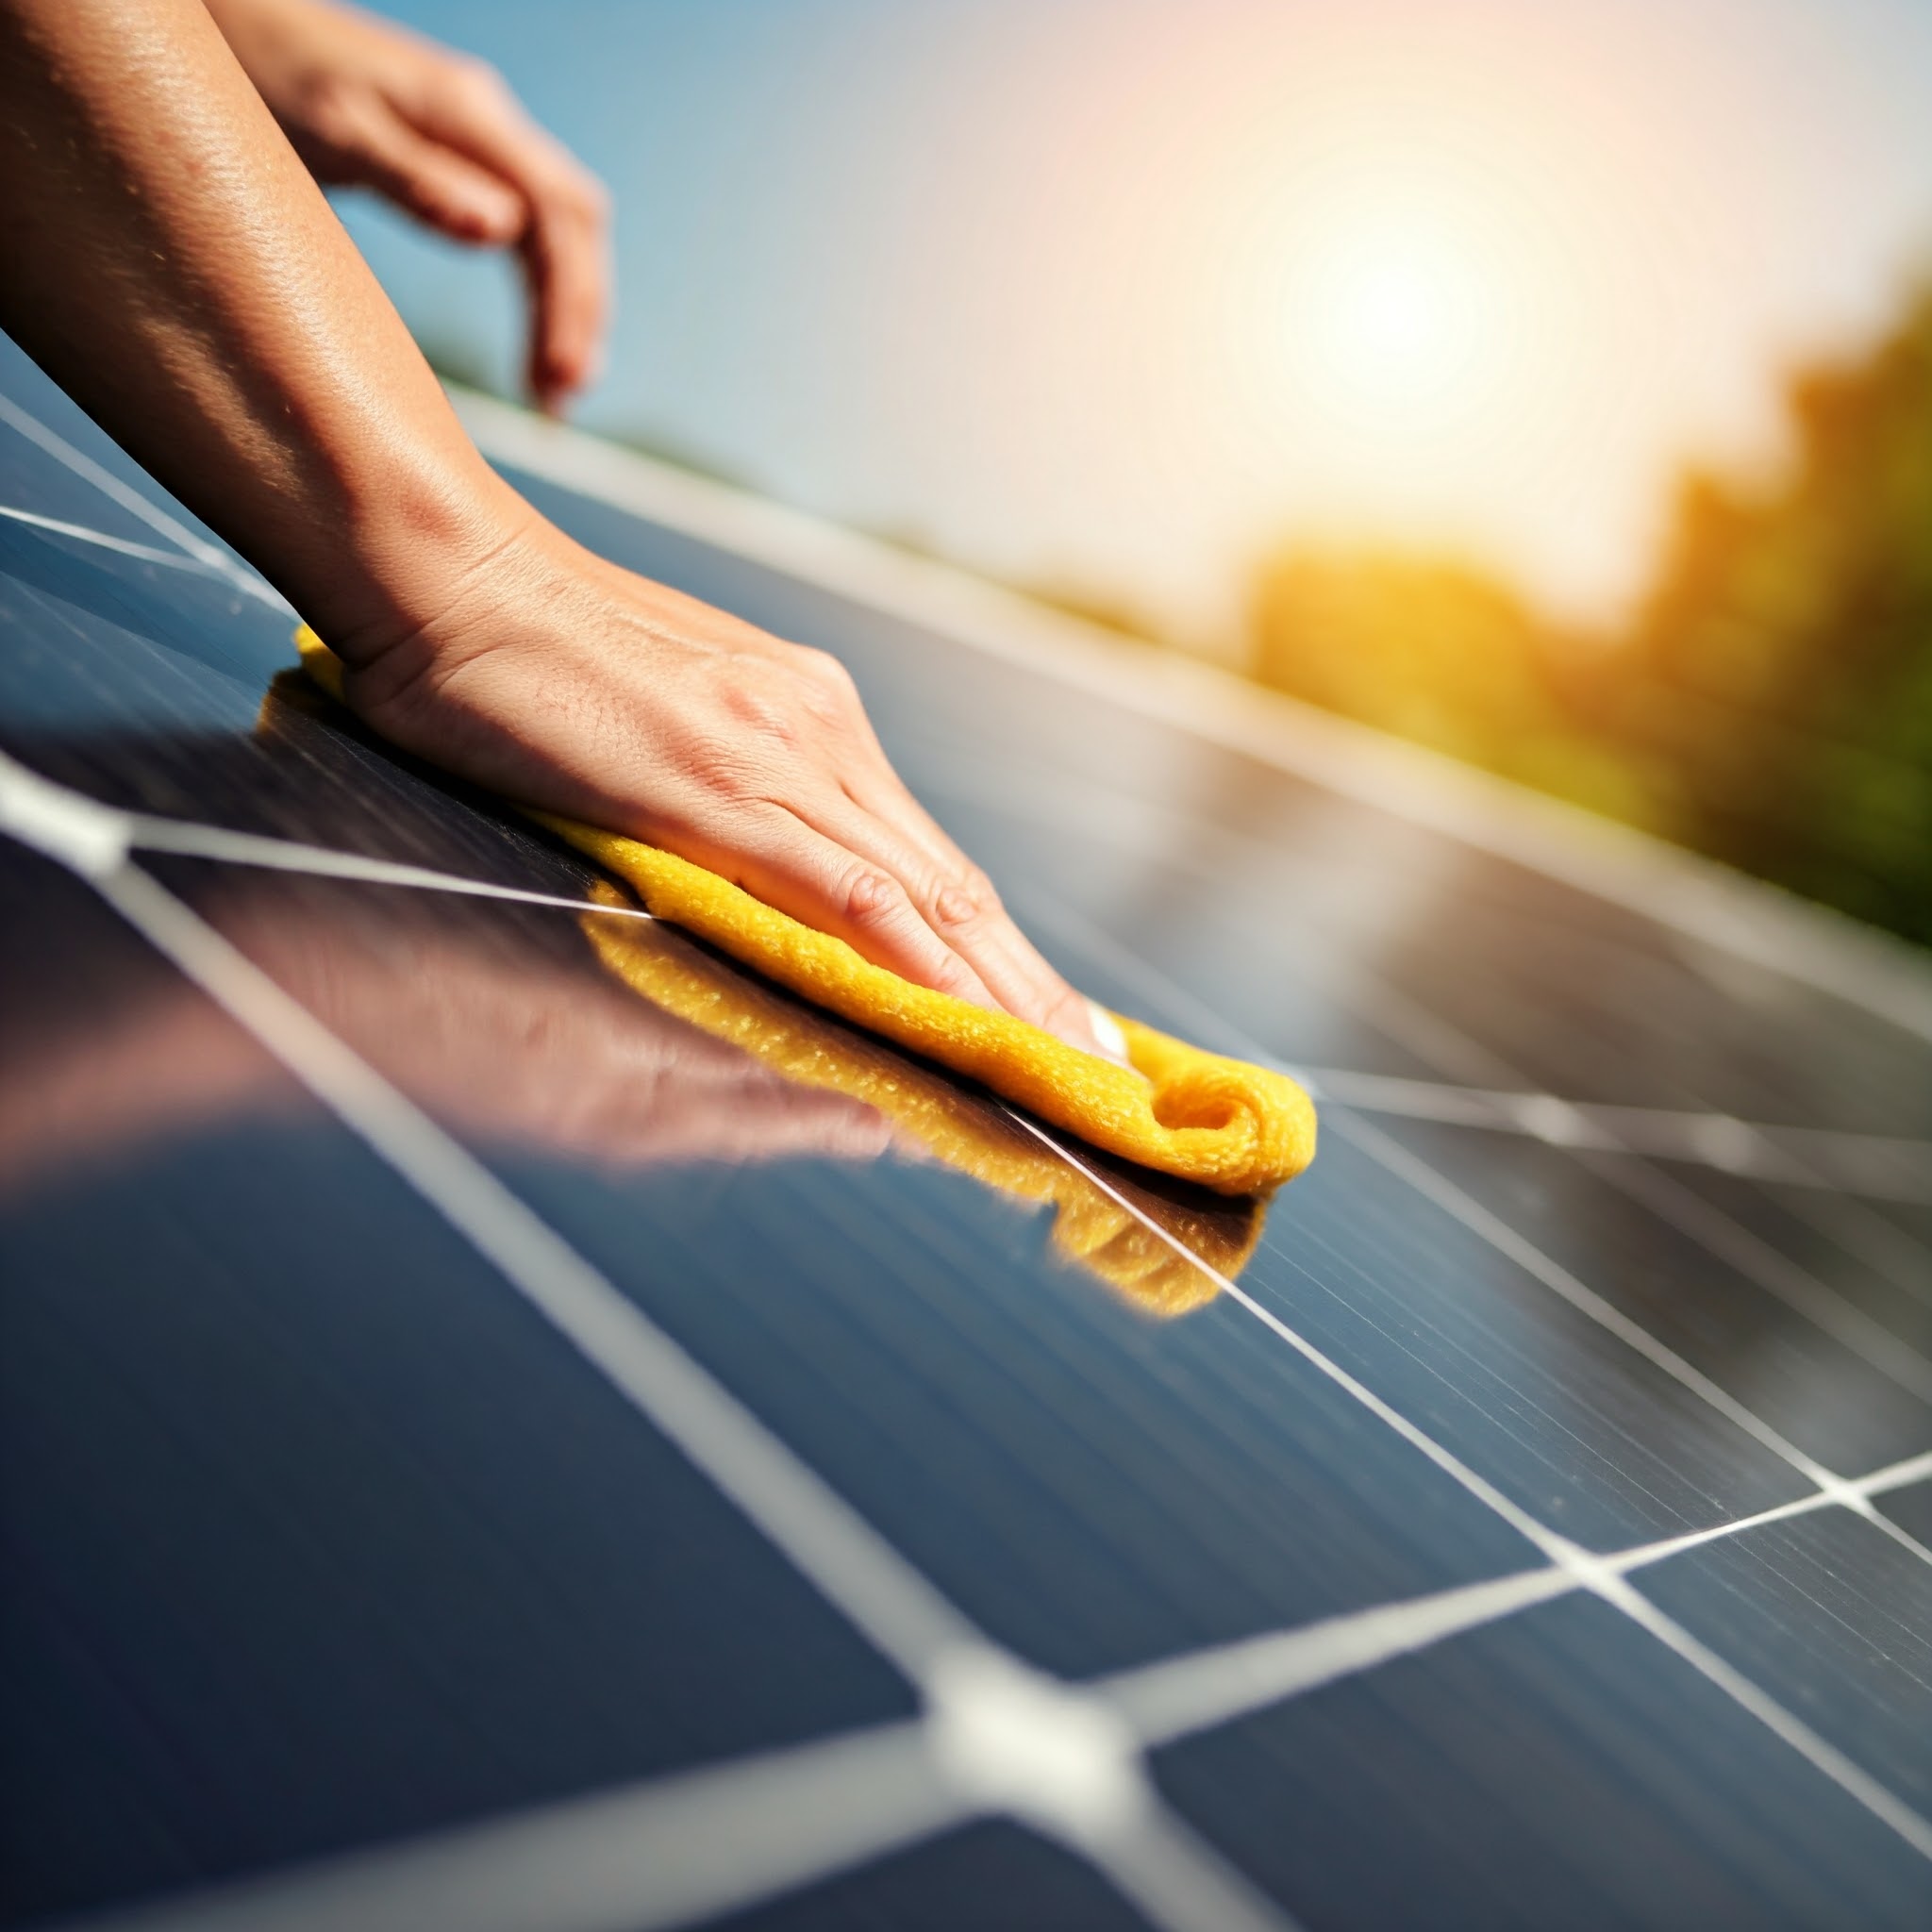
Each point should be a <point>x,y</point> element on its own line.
<point>170,260</point>
<point>366,104</point>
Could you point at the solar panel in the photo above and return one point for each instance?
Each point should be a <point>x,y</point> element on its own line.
<point>482,1450</point>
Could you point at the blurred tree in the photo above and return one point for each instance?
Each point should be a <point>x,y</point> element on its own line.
<point>1772,704</point>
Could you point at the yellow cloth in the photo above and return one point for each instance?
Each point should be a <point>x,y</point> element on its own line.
<point>1143,1264</point>
<point>1237,1128</point>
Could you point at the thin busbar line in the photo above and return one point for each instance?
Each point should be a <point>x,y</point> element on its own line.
<point>1662,1195</point>
<point>1894,1167</point>
<point>100,540</point>
<point>210,556</point>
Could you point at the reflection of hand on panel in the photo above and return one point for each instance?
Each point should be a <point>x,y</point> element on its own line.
<point>501,1026</point>
<point>640,1047</point>
<point>499,1037</point>
<point>1134,1233</point>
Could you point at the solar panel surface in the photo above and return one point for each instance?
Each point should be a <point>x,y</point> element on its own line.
<point>481,1452</point>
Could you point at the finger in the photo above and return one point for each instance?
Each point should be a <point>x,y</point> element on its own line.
<point>566,268</point>
<point>442,188</point>
<point>880,790</point>
<point>874,814</point>
<point>564,240</point>
<point>965,914</point>
<point>776,857</point>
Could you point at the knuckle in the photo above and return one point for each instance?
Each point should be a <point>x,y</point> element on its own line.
<point>472,87</point>
<point>823,668</point>
<point>829,694</point>
<point>873,900</point>
<point>967,899</point>
<point>754,708</point>
<point>332,114</point>
<point>956,909</point>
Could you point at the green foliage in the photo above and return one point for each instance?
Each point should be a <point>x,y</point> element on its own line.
<point>1772,704</point>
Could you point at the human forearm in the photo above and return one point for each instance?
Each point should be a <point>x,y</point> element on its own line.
<point>172,264</point>
<point>169,261</point>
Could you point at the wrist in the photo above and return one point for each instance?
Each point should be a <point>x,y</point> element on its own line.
<point>416,540</point>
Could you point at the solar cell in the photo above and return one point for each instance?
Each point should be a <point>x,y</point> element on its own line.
<point>467,1425</point>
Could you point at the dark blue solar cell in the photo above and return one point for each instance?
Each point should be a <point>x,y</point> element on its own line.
<point>1911,1509</point>
<point>315,1533</point>
<point>1557,1768</point>
<point>1839,1616</point>
<point>1092,1484</point>
<point>1852,1393</point>
<point>316,1536</point>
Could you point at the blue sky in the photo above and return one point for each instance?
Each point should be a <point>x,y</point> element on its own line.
<point>1114,295</point>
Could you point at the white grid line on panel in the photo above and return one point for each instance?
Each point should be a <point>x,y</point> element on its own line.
<point>700,1842</point>
<point>1591,1571</point>
<point>639,1858</point>
<point>100,540</point>
<point>128,887</point>
<point>1454,1201</point>
<point>208,556</point>
<point>1761,1263</point>
<point>1884,1167</point>
<point>1017,1743</point>
<point>1197,1690</point>
<point>184,837</point>
<point>1493,1229</point>
<point>1709,1140</point>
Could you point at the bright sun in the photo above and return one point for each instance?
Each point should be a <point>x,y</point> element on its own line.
<point>1395,318</point>
<point>1415,344</point>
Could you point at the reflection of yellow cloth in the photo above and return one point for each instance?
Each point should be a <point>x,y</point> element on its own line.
<point>1237,1128</point>
<point>963,1131</point>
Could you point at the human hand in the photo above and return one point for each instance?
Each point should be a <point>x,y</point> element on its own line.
<point>564,682</point>
<point>369,105</point>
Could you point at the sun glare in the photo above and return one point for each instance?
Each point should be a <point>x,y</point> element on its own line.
<point>1413,343</point>
<point>1395,320</point>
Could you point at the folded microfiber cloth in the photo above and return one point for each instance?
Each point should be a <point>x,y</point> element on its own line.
<point>1237,1128</point>
<point>1140,1251</point>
